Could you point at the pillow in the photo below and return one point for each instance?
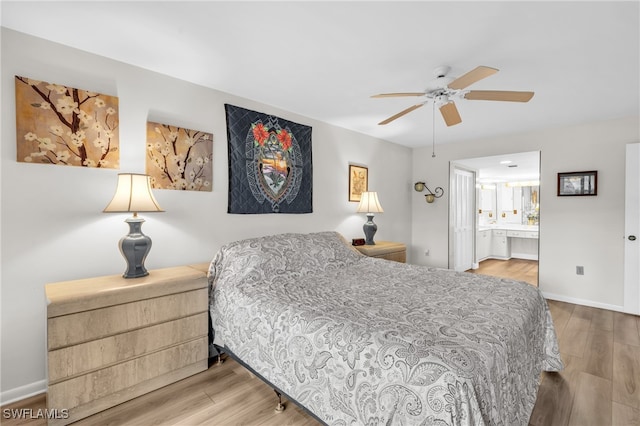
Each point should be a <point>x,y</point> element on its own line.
<point>282,255</point>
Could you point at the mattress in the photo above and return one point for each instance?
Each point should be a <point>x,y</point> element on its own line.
<point>360,340</point>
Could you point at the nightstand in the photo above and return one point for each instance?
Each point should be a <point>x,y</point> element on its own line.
<point>385,250</point>
<point>111,339</point>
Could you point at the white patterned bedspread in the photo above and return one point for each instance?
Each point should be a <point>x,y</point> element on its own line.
<point>366,341</point>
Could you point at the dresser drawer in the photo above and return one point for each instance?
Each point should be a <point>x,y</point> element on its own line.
<point>70,297</point>
<point>115,379</point>
<point>79,359</point>
<point>397,256</point>
<point>385,250</point>
<point>81,327</point>
<point>522,234</point>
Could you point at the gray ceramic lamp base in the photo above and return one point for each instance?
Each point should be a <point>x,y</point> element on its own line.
<point>134,248</point>
<point>370,229</point>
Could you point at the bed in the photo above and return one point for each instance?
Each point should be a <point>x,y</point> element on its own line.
<point>360,340</point>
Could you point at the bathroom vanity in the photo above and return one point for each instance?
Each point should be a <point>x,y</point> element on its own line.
<point>506,241</point>
<point>507,222</point>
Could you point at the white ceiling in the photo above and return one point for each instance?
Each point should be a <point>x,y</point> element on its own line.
<point>513,167</point>
<point>325,59</point>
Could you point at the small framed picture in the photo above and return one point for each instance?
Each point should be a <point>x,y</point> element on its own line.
<point>578,183</point>
<point>358,182</point>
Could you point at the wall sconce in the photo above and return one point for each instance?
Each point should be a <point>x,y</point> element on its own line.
<point>431,195</point>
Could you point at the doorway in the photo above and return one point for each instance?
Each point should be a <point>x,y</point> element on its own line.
<point>505,217</point>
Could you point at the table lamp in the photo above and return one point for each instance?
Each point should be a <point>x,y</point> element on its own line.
<point>133,194</point>
<point>369,204</point>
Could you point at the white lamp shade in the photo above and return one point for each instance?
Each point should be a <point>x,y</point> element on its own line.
<point>133,194</point>
<point>369,203</point>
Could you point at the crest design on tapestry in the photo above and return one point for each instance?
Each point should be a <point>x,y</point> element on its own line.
<point>274,162</point>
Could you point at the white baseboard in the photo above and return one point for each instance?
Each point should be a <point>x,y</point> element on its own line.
<point>526,256</point>
<point>582,302</point>
<point>493,257</point>
<point>22,392</point>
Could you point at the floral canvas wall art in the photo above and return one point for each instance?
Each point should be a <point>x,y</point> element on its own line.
<point>62,125</point>
<point>179,158</point>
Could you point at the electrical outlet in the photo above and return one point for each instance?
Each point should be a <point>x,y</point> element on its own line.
<point>427,252</point>
<point>580,270</point>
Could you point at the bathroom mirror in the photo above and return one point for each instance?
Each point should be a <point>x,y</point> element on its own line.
<point>530,205</point>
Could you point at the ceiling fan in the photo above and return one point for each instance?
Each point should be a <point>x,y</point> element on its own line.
<point>443,90</point>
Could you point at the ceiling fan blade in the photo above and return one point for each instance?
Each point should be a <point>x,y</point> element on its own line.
<point>498,95</point>
<point>400,114</point>
<point>395,95</point>
<point>450,114</point>
<point>471,77</point>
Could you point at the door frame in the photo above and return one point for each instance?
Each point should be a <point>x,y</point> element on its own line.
<point>538,154</point>
<point>452,211</point>
<point>632,227</point>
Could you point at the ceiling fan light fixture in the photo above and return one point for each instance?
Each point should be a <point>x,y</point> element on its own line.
<point>442,99</point>
<point>442,90</point>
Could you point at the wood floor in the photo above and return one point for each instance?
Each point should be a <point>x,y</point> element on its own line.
<point>225,394</point>
<point>600,385</point>
<point>517,269</point>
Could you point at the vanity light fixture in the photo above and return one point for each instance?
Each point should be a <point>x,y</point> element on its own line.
<point>430,195</point>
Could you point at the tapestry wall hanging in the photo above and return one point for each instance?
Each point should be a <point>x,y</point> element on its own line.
<point>179,158</point>
<point>63,125</point>
<point>270,167</point>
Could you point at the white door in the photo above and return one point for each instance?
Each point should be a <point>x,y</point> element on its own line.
<point>632,231</point>
<point>463,195</point>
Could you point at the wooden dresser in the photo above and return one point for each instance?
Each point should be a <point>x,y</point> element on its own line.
<point>111,339</point>
<point>385,250</point>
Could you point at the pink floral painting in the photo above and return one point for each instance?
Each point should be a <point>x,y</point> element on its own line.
<point>62,125</point>
<point>179,158</point>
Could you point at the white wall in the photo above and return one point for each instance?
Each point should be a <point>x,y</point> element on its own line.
<point>52,228</point>
<point>52,225</point>
<point>585,231</point>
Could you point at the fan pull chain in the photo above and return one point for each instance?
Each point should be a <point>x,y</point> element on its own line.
<point>433,139</point>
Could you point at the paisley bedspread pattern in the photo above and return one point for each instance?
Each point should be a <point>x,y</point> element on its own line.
<point>359,340</point>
